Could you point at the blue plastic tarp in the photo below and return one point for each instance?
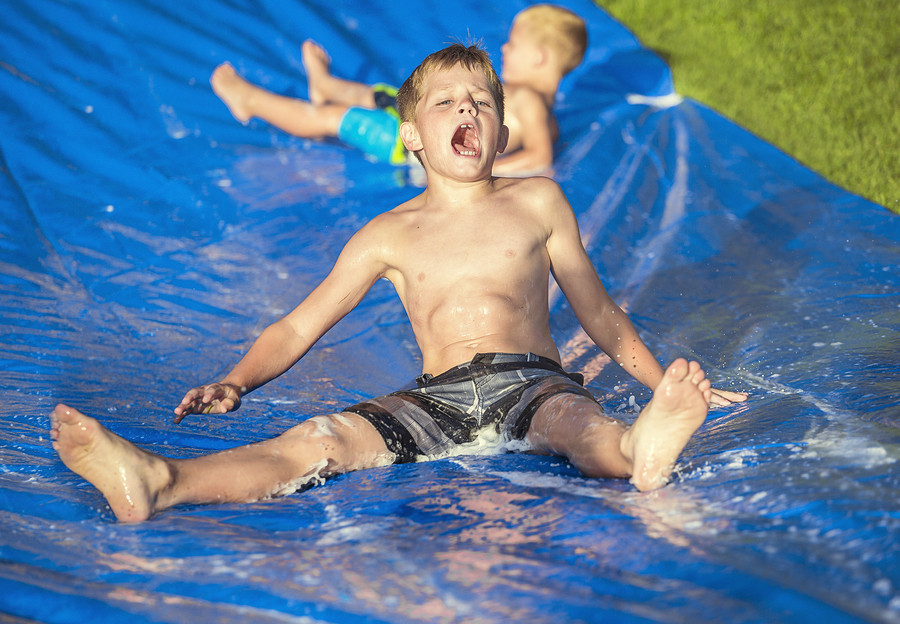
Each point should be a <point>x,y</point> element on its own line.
<point>146,237</point>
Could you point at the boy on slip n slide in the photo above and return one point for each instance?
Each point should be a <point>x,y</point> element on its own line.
<point>470,258</point>
<point>545,43</point>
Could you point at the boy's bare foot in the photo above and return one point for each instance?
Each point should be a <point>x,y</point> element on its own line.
<point>662,430</point>
<point>318,71</point>
<point>234,91</point>
<point>127,476</point>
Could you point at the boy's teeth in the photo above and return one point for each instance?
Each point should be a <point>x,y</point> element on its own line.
<point>463,143</point>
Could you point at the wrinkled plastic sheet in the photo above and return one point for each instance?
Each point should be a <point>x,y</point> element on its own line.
<point>146,238</point>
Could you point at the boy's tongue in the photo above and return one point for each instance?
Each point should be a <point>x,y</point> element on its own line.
<point>465,140</point>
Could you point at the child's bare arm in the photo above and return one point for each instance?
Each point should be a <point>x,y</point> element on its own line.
<point>287,340</point>
<point>274,352</point>
<point>602,319</point>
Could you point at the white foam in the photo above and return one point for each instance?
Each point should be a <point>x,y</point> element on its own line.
<point>487,442</point>
<point>843,437</point>
<point>174,127</point>
<point>324,427</point>
<point>314,477</point>
<point>739,458</point>
<point>571,485</point>
<point>346,533</point>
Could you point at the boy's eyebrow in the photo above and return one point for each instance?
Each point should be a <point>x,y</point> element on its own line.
<point>449,86</point>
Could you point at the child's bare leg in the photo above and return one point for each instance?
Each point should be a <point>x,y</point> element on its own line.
<point>245,100</point>
<point>325,88</point>
<point>600,446</point>
<point>129,477</point>
<point>138,484</point>
<point>662,430</point>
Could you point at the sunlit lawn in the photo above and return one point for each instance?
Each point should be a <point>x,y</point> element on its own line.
<point>820,79</point>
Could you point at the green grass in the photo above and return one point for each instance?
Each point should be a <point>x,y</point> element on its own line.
<point>820,79</point>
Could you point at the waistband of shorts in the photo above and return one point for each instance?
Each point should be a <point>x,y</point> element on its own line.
<point>491,363</point>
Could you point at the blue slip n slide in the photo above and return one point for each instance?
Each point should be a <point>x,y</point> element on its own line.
<point>147,237</point>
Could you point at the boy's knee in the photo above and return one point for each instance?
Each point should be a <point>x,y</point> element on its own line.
<point>317,427</point>
<point>315,439</point>
<point>340,440</point>
<point>563,418</point>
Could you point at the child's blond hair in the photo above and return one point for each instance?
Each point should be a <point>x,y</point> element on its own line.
<point>471,57</point>
<point>559,29</point>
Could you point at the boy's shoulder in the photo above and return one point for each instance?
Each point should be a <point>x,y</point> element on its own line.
<point>379,239</point>
<point>536,187</point>
<point>403,215</point>
<point>536,194</point>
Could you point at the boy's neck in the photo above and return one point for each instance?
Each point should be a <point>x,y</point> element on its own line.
<point>548,92</point>
<point>446,192</point>
<point>545,84</point>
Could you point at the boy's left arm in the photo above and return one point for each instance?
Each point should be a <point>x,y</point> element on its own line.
<point>602,319</point>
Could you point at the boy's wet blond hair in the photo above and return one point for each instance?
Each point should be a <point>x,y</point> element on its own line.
<point>559,29</point>
<point>471,57</point>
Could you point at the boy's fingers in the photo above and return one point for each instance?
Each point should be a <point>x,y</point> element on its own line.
<point>191,396</point>
<point>211,399</point>
<point>725,397</point>
<point>733,396</point>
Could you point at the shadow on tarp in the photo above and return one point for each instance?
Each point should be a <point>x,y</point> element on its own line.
<point>146,238</point>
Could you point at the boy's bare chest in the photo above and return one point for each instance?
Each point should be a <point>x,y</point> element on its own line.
<point>492,246</point>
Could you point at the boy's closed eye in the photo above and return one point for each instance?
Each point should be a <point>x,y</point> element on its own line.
<point>479,103</point>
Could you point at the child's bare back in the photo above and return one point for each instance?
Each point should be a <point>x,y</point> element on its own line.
<point>533,131</point>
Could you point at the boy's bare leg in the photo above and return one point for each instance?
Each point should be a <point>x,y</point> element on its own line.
<point>325,88</point>
<point>245,100</point>
<point>601,446</point>
<point>137,483</point>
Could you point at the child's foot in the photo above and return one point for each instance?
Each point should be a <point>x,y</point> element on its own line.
<point>318,71</point>
<point>233,90</point>
<point>662,430</point>
<point>127,476</point>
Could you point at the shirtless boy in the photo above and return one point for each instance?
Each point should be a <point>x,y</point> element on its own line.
<point>545,43</point>
<point>470,258</point>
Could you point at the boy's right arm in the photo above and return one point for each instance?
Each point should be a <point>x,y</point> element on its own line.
<point>287,340</point>
<point>274,352</point>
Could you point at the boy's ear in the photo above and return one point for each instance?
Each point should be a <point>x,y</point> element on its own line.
<point>503,139</point>
<point>542,56</point>
<point>410,137</point>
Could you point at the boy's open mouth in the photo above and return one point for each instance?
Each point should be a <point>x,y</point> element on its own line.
<point>465,140</point>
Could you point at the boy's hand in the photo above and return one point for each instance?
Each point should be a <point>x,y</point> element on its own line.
<point>215,398</point>
<point>725,397</point>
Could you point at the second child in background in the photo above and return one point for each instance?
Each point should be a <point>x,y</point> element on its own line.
<point>545,43</point>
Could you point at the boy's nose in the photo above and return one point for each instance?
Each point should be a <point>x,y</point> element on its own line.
<point>468,106</point>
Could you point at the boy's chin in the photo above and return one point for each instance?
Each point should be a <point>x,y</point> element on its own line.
<point>470,171</point>
<point>466,166</point>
